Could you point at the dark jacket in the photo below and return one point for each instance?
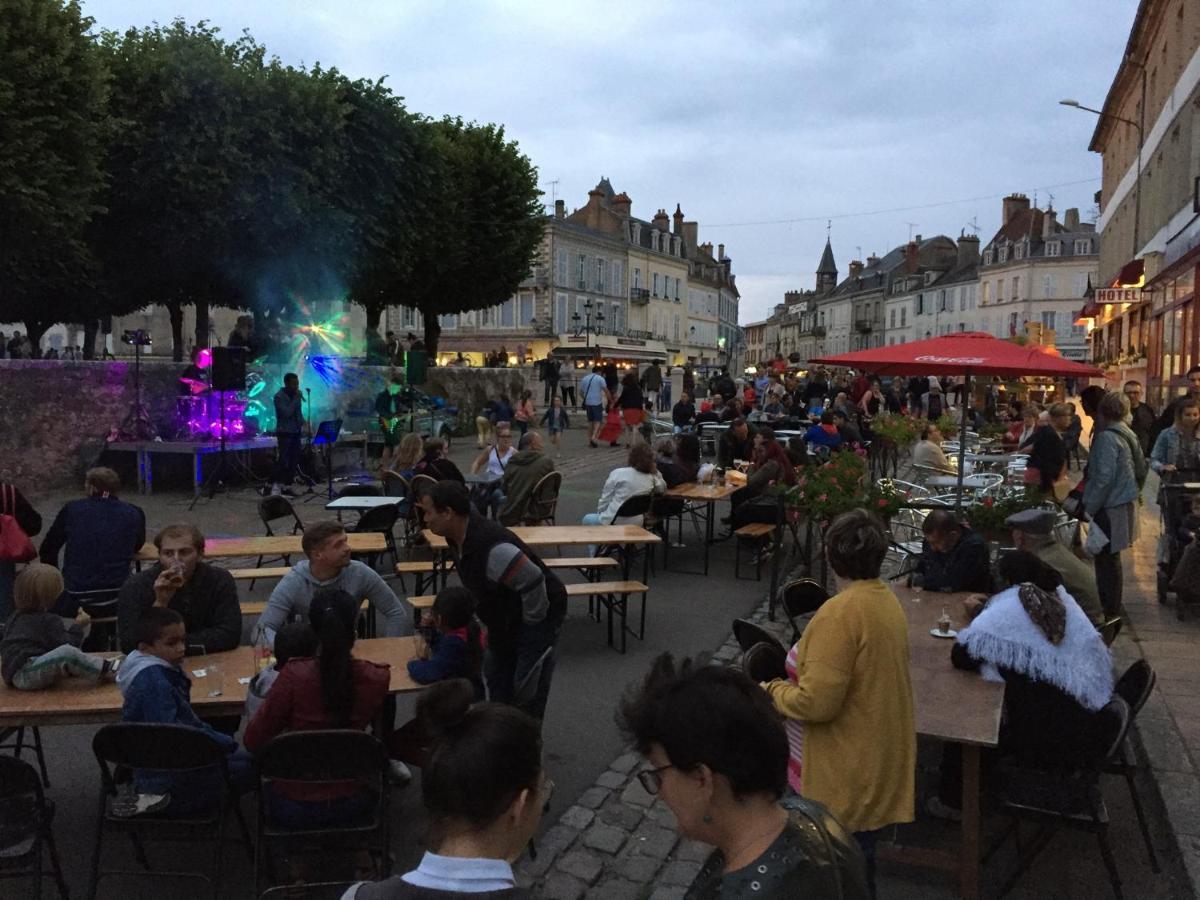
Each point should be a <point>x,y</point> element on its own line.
<point>556,418</point>
<point>524,470</point>
<point>1142,422</point>
<point>1047,454</point>
<point>439,469</point>
<point>631,397</point>
<point>389,405</point>
<point>30,634</point>
<point>682,414</point>
<point>289,412</point>
<point>451,658</point>
<point>965,567</point>
<point>20,509</point>
<point>102,536</point>
<point>652,378</point>
<point>508,594</point>
<point>729,447</point>
<point>208,603</point>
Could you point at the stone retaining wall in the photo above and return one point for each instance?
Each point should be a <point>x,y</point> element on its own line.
<point>58,414</point>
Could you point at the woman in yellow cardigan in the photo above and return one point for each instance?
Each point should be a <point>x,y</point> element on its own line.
<point>853,692</point>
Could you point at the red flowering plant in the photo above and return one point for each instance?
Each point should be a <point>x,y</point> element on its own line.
<point>822,493</point>
<point>987,514</point>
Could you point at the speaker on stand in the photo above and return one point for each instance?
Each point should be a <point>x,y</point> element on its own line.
<point>228,377</point>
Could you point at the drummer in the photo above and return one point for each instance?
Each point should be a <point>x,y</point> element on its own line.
<point>194,379</point>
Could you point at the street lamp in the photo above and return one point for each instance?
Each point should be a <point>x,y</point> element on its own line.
<point>1137,184</point>
<point>587,322</point>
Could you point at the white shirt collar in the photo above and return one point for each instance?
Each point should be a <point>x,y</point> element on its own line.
<point>462,874</point>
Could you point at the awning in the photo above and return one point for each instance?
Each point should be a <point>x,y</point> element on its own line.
<point>1131,273</point>
<point>611,345</point>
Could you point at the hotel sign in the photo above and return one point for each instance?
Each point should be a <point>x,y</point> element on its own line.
<point>1113,296</point>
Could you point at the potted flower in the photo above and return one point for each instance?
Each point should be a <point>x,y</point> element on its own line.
<point>988,515</point>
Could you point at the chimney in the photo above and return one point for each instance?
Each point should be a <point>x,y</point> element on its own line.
<point>968,251</point>
<point>871,260</point>
<point>911,252</point>
<point>678,223</point>
<point>560,209</point>
<point>660,220</point>
<point>707,247</point>
<point>594,206</point>
<point>691,234</point>
<point>720,251</point>
<point>1013,204</point>
<point>1048,223</point>
<point>1071,219</point>
<point>621,204</point>
<point>856,268</point>
<point>790,298</point>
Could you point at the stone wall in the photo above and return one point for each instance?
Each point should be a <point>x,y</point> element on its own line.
<point>57,415</point>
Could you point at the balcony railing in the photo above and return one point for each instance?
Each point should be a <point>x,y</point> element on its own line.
<point>863,326</point>
<point>639,295</point>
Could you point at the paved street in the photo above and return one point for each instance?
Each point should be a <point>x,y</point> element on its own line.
<point>604,838</point>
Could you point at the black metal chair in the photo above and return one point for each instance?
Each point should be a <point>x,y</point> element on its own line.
<point>26,817</point>
<point>543,500</point>
<point>101,605</point>
<point>380,520</point>
<point>765,662</point>
<point>1067,794</point>
<point>1135,687</point>
<point>637,506</point>
<point>415,523</point>
<point>272,509</point>
<point>327,758</point>
<point>177,750</point>
<point>799,598</point>
<point>747,634</point>
<point>14,739</point>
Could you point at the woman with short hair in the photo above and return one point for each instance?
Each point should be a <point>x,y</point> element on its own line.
<point>718,756</point>
<point>640,476</point>
<point>852,691</point>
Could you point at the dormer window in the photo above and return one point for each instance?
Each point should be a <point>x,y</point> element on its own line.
<point>1004,253</point>
<point>654,240</point>
<point>1053,248</point>
<point>637,232</point>
<point>1083,247</point>
<point>987,257</point>
<point>930,277</point>
<point>1019,251</point>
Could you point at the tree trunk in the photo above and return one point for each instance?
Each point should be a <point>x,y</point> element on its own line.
<point>374,314</point>
<point>202,337</point>
<point>433,331</point>
<point>175,311</point>
<point>90,328</point>
<point>34,332</point>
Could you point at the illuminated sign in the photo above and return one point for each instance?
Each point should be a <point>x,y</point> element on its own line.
<point>1111,296</point>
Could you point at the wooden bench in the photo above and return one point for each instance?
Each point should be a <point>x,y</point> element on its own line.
<point>266,572</point>
<point>613,595</point>
<point>757,533</point>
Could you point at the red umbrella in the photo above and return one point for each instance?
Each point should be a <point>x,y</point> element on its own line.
<point>964,353</point>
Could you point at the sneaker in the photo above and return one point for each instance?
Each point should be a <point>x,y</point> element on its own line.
<point>399,773</point>
<point>592,444</point>
<point>935,807</point>
<point>143,805</point>
<point>276,490</point>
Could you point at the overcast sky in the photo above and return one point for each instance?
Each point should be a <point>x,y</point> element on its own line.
<point>761,119</point>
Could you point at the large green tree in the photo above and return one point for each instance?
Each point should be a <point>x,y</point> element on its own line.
<point>52,125</point>
<point>469,229</point>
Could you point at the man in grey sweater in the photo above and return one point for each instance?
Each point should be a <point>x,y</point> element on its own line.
<point>328,564</point>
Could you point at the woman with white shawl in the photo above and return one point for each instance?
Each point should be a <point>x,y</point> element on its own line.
<point>1057,671</point>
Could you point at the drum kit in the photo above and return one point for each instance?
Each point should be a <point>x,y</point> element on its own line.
<point>201,414</point>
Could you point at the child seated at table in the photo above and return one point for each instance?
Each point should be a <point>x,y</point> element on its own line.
<point>39,648</point>
<point>293,640</point>
<point>455,640</point>
<point>156,689</point>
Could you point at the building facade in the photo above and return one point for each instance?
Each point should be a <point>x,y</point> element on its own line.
<point>934,293</point>
<point>1144,316</point>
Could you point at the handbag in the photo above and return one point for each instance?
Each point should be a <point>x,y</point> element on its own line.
<point>15,545</point>
<point>1073,503</point>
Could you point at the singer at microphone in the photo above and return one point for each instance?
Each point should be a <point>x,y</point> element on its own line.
<point>289,426</point>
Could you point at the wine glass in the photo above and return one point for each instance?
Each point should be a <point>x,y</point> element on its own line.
<point>916,581</point>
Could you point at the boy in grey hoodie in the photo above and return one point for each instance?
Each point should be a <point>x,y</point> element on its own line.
<point>329,566</point>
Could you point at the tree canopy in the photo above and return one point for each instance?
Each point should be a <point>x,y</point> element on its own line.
<point>169,165</point>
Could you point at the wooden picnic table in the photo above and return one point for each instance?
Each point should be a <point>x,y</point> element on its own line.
<point>277,545</point>
<point>74,701</point>
<point>706,495</point>
<point>952,705</point>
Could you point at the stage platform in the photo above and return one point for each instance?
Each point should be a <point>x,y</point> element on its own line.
<point>145,451</point>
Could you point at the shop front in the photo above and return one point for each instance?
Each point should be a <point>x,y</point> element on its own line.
<point>1174,329</point>
<point>625,352</point>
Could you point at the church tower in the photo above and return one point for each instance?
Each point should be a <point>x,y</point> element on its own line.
<point>827,272</point>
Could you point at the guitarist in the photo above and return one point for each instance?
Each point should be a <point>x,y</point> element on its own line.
<point>389,407</point>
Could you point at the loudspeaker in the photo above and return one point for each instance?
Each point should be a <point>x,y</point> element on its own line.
<point>228,368</point>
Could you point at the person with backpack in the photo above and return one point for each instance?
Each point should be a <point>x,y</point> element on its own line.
<point>19,521</point>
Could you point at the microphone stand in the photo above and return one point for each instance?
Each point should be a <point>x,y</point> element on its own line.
<point>308,454</point>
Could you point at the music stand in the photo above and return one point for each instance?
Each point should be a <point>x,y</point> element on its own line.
<point>325,438</point>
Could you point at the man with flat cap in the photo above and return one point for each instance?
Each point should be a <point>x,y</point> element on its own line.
<point>1033,531</point>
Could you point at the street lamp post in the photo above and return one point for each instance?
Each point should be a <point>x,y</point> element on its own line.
<point>1137,183</point>
<point>587,322</point>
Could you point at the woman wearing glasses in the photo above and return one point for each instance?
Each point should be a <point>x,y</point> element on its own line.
<point>717,754</point>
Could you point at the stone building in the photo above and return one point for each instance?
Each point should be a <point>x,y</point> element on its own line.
<point>1144,314</point>
<point>1034,274</point>
<point>934,292</point>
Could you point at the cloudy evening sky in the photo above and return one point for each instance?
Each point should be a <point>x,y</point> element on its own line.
<point>761,119</point>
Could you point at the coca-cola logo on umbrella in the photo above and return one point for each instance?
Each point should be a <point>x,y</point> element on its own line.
<point>957,360</point>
